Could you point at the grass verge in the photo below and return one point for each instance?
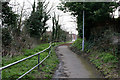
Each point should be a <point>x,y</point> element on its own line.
<point>46,69</point>
<point>105,62</point>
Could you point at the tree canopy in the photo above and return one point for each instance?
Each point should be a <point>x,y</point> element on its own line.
<point>94,13</point>
<point>36,24</point>
<point>9,23</point>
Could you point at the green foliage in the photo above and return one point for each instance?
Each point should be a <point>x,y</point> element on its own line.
<point>36,24</point>
<point>105,62</point>
<point>9,23</point>
<point>57,33</point>
<point>9,18</point>
<point>103,57</point>
<point>78,44</point>
<point>107,57</point>
<point>103,42</point>
<point>46,38</point>
<point>6,37</point>
<point>17,70</point>
<point>94,13</point>
<point>28,52</point>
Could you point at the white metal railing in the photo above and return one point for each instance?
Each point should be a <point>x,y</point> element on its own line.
<point>14,63</point>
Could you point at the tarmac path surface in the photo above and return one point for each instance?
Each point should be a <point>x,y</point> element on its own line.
<point>73,66</point>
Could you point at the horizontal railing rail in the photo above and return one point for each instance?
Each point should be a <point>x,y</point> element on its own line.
<point>14,63</point>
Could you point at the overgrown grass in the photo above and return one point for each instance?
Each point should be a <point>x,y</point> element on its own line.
<point>106,62</point>
<point>77,44</point>
<point>46,69</point>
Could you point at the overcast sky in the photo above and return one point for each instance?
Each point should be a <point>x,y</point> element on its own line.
<point>66,20</point>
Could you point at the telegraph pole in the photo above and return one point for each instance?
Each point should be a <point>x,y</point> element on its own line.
<point>83,29</point>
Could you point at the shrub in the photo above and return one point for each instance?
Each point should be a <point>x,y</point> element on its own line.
<point>78,44</point>
<point>107,57</point>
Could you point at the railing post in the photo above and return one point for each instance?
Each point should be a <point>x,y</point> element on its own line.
<point>38,61</point>
<point>49,51</point>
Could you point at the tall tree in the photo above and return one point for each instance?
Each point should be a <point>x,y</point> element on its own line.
<point>9,23</point>
<point>57,33</point>
<point>9,27</point>
<point>94,13</point>
<point>9,18</point>
<point>53,29</point>
<point>36,23</point>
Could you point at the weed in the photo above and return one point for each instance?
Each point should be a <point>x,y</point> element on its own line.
<point>17,70</point>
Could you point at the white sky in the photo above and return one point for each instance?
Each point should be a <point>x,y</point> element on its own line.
<point>66,20</point>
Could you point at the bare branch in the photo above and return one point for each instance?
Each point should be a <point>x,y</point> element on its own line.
<point>29,2</point>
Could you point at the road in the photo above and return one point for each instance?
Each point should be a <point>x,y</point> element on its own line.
<point>73,66</point>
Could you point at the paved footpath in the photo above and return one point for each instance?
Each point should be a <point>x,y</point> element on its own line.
<point>72,65</point>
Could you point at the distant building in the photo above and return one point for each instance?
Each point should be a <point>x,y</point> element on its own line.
<point>69,37</point>
<point>74,37</point>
